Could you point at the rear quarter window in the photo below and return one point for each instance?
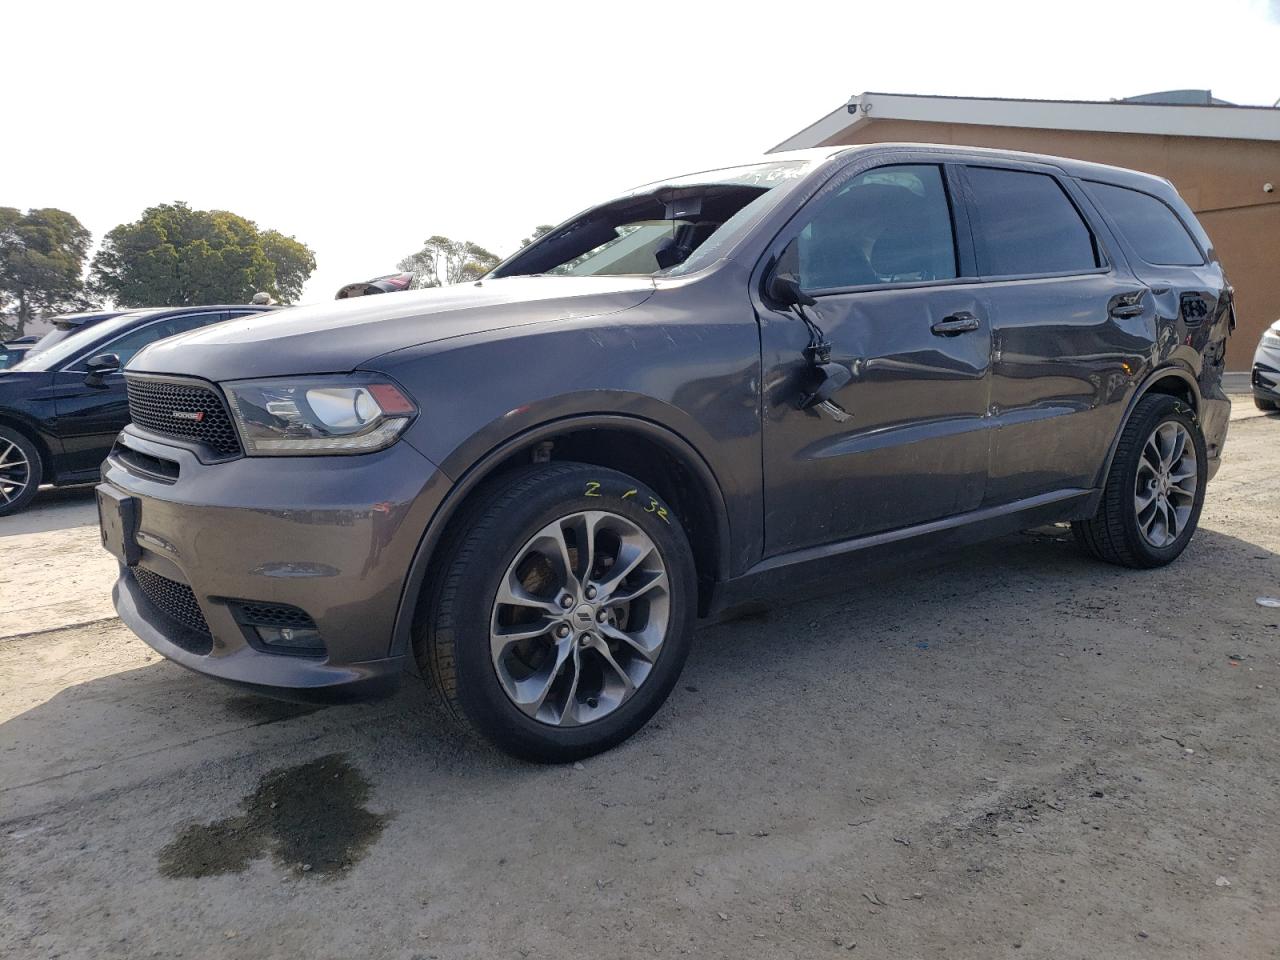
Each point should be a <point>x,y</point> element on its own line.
<point>1154,231</point>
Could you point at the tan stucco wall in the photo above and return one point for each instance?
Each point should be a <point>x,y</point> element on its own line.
<point>1220,179</point>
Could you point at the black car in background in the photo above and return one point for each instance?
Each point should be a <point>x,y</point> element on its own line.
<point>13,352</point>
<point>62,405</point>
<point>68,325</point>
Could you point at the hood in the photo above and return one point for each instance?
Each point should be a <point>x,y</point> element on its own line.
<point>339,336</point>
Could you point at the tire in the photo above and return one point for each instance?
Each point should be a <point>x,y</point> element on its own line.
<point>21,471</point>
<point>1116,533</point>
<point>508,536</point>
<point>1263,404</point>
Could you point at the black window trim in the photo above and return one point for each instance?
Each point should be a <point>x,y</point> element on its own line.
<point>954,204</point>
<point>1124,238</point>
<point>102,347</point>
<point>1100,250</point>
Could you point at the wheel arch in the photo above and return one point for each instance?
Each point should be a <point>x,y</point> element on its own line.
<point>1172,380</point>
<point>650,452</point>
<point>29,431</point>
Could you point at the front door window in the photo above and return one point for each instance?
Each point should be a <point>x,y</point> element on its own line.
<point>888,225</point>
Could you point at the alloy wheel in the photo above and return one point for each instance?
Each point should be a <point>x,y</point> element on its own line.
<point>579,618</point>
<point>1165,486</point>
<point>15,471</point>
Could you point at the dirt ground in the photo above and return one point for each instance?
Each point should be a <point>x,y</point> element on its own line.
<point>1016,753</point>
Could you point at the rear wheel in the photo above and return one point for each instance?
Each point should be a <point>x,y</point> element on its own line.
<point>20,471</point>
<point>564,612</point>
<point>1154,492</point>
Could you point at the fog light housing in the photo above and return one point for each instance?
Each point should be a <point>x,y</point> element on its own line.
<point>278,628</point>
<point>295,639</point>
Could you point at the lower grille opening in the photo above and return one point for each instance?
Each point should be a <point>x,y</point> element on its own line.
<point>156,468</point>
<point>178,602</point>
<point>279,628</point>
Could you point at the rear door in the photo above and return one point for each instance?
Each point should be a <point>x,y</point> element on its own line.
<point>90,414</point>
<point>896,298</point>
<point>1070,329</point>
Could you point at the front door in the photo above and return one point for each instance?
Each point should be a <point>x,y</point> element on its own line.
<point>878,251</point>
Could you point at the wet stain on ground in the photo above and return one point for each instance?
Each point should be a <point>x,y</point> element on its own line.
<point>267,710</point>
<point>309,817</point>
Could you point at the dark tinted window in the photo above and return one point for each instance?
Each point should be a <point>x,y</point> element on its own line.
<point>888,225</point>
<point>1026,223</point>
<point>128,345</point>
<point>1155,231</point>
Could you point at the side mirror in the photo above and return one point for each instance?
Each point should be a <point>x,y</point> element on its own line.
<point>99,367</point>
<point>783,286</point>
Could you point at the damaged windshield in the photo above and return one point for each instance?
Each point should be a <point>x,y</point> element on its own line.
<point>658,227</point>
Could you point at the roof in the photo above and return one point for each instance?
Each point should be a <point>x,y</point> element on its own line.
<point>1116,116</point>
<point>1200,97</point>
<point>196,308</point>
<point>811,154</point>
<point>79,319</point>
<point>1085,169</point>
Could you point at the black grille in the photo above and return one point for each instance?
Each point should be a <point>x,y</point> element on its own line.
<point>273,615</point>
<point>176,601</point>
<point>160,405</point>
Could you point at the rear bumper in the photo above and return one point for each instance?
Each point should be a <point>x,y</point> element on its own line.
<point>1215,418</point>
<point>331,537</point>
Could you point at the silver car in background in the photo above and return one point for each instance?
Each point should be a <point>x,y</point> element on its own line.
<point>1266,369</point>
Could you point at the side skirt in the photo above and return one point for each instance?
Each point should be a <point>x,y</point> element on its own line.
<point>77,478</point>
<point>816,570</point>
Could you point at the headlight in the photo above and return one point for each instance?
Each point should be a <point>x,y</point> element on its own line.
<point>1271,337</point>
<point>321,415</point>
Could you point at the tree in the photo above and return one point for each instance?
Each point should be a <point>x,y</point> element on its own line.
<point>293,263</point>
<point>176,256</point>
<point>539,231</point>
<point>42,255</point>
<point>443,261</point>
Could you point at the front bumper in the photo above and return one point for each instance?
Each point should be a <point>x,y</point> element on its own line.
<point>1265,378</point>
<point>332,537</point>
<point>1265,381</point>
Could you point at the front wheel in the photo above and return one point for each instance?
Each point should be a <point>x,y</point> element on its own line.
<point>1262,403</point>
<point>1155,489</point>
<point>563,613</point>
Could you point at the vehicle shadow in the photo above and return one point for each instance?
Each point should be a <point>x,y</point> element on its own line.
<point>54,508</point>
<point>898,734</point>
<point>741,673</point>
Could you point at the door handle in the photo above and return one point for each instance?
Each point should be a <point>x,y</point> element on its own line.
<point>1127,305</point>
<point>957,323</point>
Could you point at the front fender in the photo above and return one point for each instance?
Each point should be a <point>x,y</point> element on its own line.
<point>689,381</point>
<point>482,468</point>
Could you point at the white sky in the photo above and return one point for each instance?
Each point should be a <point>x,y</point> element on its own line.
<point>362,128</point>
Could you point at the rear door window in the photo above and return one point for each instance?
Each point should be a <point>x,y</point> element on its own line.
<point>1156,233</point>
<point>888,225</point>
<point>1025,224</point>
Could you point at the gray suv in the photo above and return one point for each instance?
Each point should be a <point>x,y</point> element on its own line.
<point>530,488</point>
